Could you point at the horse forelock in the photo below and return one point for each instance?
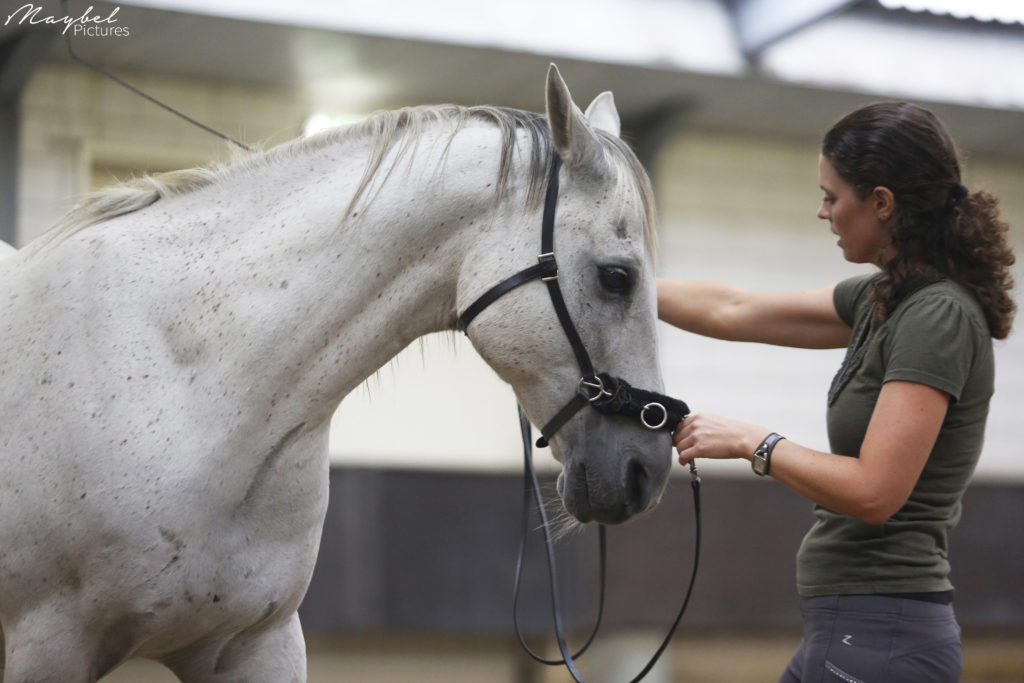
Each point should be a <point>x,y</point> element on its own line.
<point>399,130</point>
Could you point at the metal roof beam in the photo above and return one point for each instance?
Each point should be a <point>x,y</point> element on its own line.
<point>761,23</point>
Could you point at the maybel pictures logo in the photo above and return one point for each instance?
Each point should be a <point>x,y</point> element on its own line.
<point>87,24</point>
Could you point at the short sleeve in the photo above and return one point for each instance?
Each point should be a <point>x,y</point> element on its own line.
<point>933,342</point>
<point>848,294</point>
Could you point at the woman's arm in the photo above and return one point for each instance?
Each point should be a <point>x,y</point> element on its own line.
<point>901,434</point>
<point>803,319</point>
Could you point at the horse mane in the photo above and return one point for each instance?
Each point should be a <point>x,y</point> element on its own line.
<point>399,128</point>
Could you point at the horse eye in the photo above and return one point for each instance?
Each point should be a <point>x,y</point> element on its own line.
<point>615,279</point>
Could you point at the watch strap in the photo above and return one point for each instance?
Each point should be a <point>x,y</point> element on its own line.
<point>762,461</point>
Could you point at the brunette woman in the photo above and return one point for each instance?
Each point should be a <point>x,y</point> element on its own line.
<point>907,408</point>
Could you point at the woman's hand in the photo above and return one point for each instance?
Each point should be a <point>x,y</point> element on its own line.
<point>713,436</point>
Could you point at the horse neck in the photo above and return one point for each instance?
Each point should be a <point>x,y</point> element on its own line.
<point>323,299</point>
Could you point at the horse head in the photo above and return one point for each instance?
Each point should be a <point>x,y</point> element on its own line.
<point>613,467</point>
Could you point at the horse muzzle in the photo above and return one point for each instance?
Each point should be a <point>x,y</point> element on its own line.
<point>613,485</point>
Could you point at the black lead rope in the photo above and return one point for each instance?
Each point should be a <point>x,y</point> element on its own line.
<point>531,488</point>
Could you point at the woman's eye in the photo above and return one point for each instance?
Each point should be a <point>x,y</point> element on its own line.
<point>615,279</point>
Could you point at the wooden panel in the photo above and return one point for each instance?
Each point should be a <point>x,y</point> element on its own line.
<point>435,551</point>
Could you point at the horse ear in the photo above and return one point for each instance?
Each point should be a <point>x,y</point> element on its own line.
<point>573,137</point>
<point>603,115</point>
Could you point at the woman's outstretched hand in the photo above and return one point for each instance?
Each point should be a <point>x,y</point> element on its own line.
<point>713,436</point>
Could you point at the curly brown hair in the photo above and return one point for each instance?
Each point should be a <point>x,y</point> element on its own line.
<point>938,228</point>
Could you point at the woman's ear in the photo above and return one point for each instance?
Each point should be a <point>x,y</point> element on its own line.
<point>884,202</point>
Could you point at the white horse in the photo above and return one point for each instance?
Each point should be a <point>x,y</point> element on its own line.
<point>172,353</point>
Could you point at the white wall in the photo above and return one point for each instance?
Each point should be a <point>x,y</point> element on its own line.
<point>733,208</point>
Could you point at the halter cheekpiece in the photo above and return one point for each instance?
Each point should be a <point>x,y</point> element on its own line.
<point>604,392</point>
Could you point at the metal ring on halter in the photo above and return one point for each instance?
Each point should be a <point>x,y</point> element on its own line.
<point>599,386</point>
<point>664,416</point>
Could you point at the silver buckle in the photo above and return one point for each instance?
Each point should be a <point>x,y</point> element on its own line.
<point>601,392</point>
<point>548,256</point>
<point>664,416</point>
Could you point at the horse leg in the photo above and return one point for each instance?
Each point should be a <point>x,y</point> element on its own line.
<point>275,654</point>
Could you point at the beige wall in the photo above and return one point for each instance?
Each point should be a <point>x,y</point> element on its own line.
<point>74,119</point>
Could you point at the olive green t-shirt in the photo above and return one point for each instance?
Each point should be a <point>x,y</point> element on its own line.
<point>936,336</point>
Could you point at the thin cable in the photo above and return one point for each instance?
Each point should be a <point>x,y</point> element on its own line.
<point>98,69</point>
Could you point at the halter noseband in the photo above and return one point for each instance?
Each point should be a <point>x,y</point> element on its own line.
<point>607,393</point>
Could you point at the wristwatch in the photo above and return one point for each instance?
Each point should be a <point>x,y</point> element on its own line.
<point>762,460</point>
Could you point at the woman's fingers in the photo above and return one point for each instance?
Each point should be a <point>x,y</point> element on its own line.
<point>712,436</point>
<point>684,440</point>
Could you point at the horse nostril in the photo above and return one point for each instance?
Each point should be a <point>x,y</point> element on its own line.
<point>637,480</point>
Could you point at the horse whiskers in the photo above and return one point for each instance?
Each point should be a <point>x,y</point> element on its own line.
<point>564,525</point>
<point>561,524</point>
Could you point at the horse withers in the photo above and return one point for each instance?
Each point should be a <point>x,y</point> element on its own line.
<point>173,351</point>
